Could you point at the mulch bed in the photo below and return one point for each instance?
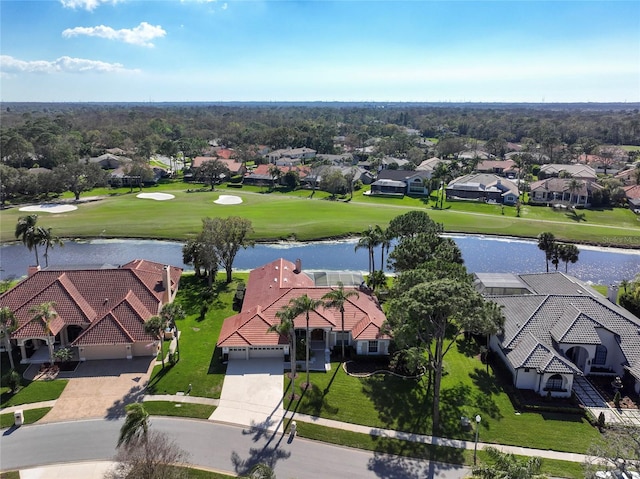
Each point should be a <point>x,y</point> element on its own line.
<point>629,399</point>
<point>366,366</point>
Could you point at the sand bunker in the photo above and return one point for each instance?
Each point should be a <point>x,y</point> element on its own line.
<point>49,208</point>
<point>156,196</point>
<point>228,200</point>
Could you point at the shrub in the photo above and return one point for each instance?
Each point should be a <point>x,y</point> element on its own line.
<point>14,381</point>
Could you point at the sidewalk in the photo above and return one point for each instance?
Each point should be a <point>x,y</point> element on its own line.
<point>403,436</point>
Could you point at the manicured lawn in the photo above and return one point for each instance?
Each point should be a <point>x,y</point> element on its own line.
<point>167,408</point>
<point>34,391</point>
<point>285,215</point>
<point>199,363</point>
<point>30,416</point>
<point>392,403</point>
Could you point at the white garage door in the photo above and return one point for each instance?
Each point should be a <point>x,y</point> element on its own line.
<point>116,351</point>
<point>266,352</point>
<point>237,353</point>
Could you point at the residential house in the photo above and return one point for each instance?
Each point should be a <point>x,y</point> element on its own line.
<point>415,183</point>
<point>558,191</point>
<point>579,172</point>
<point>431,164</point>
<point>234,166</point>
<point>261,175</point>
<point>506,168</point>
<point>474,154</point>
<point>388,161</point>
<point>108,161</point>
<point>290,156</point>
<point>101,311</point>
<point>483,187</point>
<point>632,195</point>
<point>629,176</point>
<point>271,287</point>
<point>557,327</point>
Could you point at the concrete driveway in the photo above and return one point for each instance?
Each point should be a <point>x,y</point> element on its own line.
<point>101,389</point>
<point>252,394</point>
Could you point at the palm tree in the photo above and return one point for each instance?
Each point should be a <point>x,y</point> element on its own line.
<point>336,299</point>
<point>305,304</point>
<point>369,240</point>
<point>546,243</point>
<point>508,466</point>
<point>46,313</point>
<point>49,241</point>
<point>384,238</point>
<point>286,327</point>
<point>376,279</point>
<point>261,471</point>
<point>30,233</point>
<point>170,313</point>
<point>8,324</point>
<point>568,253</point>
<point>574,185</point>
<point>136,425</point>
<point>155,327</point>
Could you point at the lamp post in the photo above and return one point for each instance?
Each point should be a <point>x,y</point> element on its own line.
<point>475,449</point>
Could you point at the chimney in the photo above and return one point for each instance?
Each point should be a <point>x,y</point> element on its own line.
<point>298,266</point>
<point>612,293</point>
<point>166,283</point>
<point>31,270</point>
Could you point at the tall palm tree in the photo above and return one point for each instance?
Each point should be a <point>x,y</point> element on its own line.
<point>136,425</point>
<point>171,313</point>
<point>8,324</point>
<point>546,243</point>
<point>286,327</point>
<point>568,253</point>
<point>155,326</point>
<point>46,313</point>
<point>49,241</point>
<point>29,233</point>
<point>305,304</point>
<point>336,299</point>
<point>574,185</point>
<point>369,240</point>
<point>384,238</point>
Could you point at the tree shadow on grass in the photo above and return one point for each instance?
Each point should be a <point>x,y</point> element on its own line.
<point>387,392</point>
<point>468,346</point>
<point>153,382</point>
<point>486,382</point>
<point>462,400</point>
<point>575,216</point>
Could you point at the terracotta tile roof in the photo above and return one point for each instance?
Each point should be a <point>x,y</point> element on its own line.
<point>271,287</point>
<point>84,296</point>
<point>632,192</point>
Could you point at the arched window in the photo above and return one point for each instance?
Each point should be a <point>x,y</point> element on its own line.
<point>601,355</point>
<point>554,383</point>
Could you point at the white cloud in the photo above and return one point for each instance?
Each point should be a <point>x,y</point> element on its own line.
<point>89,5</point>
<point>10,65</point>
<point>140,35</point>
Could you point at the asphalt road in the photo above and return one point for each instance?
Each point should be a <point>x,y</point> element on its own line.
<point>215,446</point>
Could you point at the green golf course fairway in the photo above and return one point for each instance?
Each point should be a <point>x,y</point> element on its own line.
<point>278,216</point>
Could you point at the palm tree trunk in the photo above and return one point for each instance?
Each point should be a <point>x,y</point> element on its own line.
<point>342,315</point>
<point>7,346</point>
<point>307,341</point>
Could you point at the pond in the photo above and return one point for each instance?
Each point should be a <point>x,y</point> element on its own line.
<point>480,253</point>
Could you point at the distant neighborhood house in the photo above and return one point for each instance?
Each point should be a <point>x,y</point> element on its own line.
<point>483,187</point>
<point>559,190</point>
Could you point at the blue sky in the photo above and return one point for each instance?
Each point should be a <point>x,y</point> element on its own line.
<point>350,50</point>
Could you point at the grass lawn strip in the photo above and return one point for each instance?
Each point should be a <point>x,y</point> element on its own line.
<point>34,391</point>
<point>30,416</point>
<point>167,408</point>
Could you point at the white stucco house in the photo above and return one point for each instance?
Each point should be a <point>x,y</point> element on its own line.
<point>557,327</point>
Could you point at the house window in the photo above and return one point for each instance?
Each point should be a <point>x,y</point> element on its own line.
<point>554,383</point>
<point>601,355</point>
<point>373,346</point>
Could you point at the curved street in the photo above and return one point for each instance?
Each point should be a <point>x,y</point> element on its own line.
<point>220,447</point>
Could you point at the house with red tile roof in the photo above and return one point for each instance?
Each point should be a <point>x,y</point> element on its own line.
<point>235,167</point>
<point>101,312</point>
<point>271,287</point>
